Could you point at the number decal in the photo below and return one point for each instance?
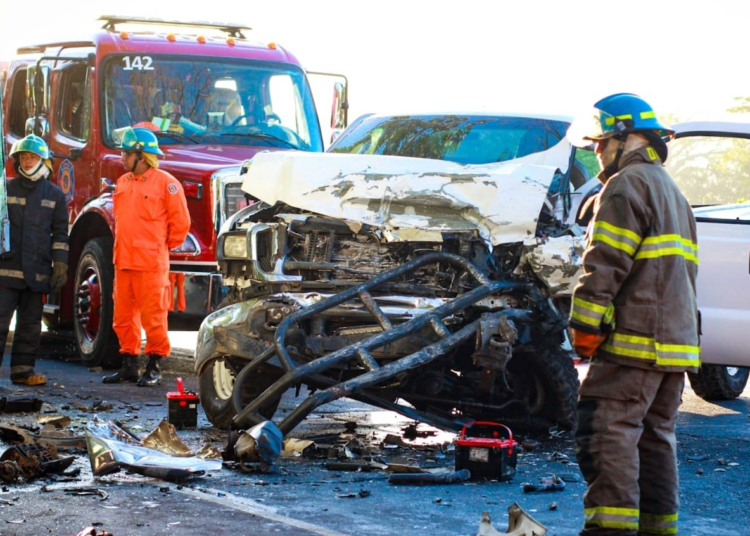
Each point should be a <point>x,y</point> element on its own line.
<point>138,63</point>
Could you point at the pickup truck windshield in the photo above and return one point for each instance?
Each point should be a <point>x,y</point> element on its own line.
<point>209,101</point>
<point>464,139</point>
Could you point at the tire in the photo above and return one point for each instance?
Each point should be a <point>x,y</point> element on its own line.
<point>717,382</point>
<point>549,384</point>
<point>216,383</point>
<point>93,305</point>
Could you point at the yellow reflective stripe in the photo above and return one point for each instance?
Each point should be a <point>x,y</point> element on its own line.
<point>617,237</point>
<point>648,115</point>
<point>591,313</point>
<point>13,200</point>
<point>652,153</point>
<point>611,120</point>
<point>658,524</point>
<point>11,273</point>
<point>611,517</point>
<point>648,349</point>
<point>665,245</point>
<point>60,245</point>
<point>48,203</point>
<point>620,231</point>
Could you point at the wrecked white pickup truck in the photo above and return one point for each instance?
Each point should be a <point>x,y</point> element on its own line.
<point>430,288</point>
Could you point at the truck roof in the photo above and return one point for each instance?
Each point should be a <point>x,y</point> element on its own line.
<point>158,36</point>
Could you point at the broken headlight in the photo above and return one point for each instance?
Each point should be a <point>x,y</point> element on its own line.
<point>234,246</point>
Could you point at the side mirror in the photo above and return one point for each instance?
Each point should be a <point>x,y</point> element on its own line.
<point>106,185</point>
<point>340,109</point>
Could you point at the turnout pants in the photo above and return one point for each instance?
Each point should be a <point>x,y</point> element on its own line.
<point>142,299</point>
<point>28,308</point>
<point>626,449</point>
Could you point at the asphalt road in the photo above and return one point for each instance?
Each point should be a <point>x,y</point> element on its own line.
<point>303,497</point>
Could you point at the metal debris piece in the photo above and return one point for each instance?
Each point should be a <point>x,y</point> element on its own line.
<point>701,458</point>
<point>403,468</point>
<point>164,438</point>
<point>529,444</point>
<point>57,421</point>
<point>111,448</point>
<point>31,461</point>
<point>91,531</point>
<point>519,524</point>
<point>20,405</point>
<point>349,466</point>
<point>57,439</point>
<point>261,443</point>
<point>207,452</point>
<point>553,483</point>
<point>418,479</point>
<point>87,491</point>
<point>298,447</point>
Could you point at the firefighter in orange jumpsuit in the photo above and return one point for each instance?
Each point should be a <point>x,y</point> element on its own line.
<point>151,217</point>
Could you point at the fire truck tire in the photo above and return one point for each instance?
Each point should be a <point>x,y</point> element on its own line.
<point>216,383</point>
<point>93,305</point>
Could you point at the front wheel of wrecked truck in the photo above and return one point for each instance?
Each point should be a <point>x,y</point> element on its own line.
<point>217,382</point>
<point>548,381</point>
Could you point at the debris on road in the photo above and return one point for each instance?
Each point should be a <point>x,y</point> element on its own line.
<point>553,483</point>
<point>261,444</point>
<point>20,405</point>
<point>519,524</point>
<point>87,491</point>
<point>91,531</point>
<point>419,479</point>
<point>165,439</point>
<point>112,448</point>
<point>31,461</point>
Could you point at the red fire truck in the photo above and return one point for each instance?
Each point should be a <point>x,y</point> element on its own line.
<point>213,97</point>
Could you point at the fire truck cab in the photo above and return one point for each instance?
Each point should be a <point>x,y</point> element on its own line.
<point>214,99</point>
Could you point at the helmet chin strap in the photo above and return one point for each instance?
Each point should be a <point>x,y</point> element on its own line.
<point>39,172</point>
<point>138,158</point>
<point>614,166</point>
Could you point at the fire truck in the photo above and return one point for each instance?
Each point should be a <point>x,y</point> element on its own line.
<point>212,96</point>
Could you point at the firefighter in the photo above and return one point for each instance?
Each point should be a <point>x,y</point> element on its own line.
<point>634,313</point>
<point>151,217</point>
<point>37,262</point>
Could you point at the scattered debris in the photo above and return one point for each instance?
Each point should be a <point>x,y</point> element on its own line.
<point>164,439</point>
<point>553,483</point>
<point>31,461</point>
<point>207,452</point>
<point>701,458</point>
<point>552,505</point>
<point>519,524</point>
<point>91,531</point>
<point>112,448</point>
<point>262,443</point>
<point>570,477</point>
<point>55,421</point>
<point>87,491</point>
<point>298,447</point>
<point>20,405</point>
<point>423,478</point>
<point>530,444</point>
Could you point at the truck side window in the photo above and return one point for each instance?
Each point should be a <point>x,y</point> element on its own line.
<point>17,111</point>
<point>73,108</point>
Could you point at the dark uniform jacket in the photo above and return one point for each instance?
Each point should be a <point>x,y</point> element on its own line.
<point>640,269</point>
<point>38,216</point>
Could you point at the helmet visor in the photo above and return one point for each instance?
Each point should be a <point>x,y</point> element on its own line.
<point>594,125</point>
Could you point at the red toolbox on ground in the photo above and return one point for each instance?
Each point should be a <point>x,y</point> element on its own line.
<point>183,407</point>
<point>488,450</point>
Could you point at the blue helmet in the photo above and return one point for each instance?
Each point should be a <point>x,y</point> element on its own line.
<point>617,114</point>
<point>31,144</point>
<point>140,139</point>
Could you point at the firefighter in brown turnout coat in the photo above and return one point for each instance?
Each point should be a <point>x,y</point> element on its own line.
<point>634,313</point>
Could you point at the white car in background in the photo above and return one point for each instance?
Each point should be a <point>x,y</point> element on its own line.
<point>710,162</point>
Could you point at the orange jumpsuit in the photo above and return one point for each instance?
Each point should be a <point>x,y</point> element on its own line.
<point>151,217</point>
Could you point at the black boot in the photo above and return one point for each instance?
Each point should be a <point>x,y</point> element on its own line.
<point>127,373</point>
<point>152,374</point>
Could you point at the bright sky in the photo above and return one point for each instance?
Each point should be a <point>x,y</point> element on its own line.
<point>553,56</point>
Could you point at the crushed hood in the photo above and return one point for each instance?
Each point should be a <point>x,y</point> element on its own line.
<point>412,198</point>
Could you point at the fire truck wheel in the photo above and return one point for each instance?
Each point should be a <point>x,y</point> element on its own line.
<point>216,384</point>
<point>93,305</point>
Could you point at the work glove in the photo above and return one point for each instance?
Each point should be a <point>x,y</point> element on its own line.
<point>586,344</point>
<point>59,276</point>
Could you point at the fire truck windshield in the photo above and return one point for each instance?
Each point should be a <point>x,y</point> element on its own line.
<point>215,101</point>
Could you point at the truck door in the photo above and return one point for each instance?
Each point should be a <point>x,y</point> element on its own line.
<point>69,136</point>
<point>4,222</point>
